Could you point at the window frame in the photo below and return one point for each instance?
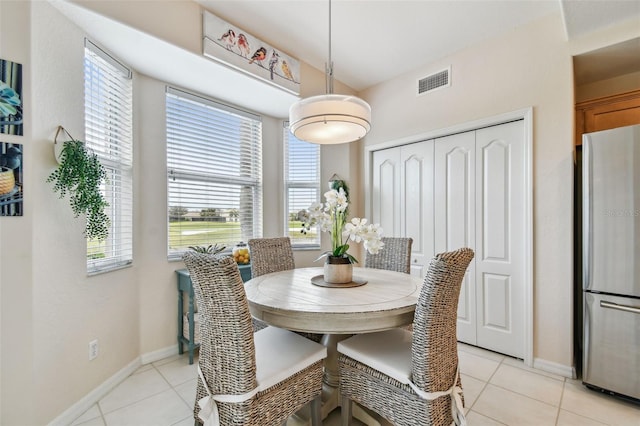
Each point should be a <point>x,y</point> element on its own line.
<point>213,176</point>
<point>110,137</point>
<point>289,184</point>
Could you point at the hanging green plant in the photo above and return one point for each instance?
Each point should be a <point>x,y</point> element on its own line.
<point>80,174</point>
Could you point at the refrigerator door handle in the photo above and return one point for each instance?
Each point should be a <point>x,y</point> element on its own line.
<point>626,308</point>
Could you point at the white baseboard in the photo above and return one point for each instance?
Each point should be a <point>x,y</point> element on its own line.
<point>163,353</point>
<point>555,368</point>
<point>77,409</point>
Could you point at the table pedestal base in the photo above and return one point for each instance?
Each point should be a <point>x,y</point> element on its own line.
<point>331,401</point>
<point>331,388</point>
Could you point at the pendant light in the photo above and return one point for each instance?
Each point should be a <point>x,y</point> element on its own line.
<point>330,118</point>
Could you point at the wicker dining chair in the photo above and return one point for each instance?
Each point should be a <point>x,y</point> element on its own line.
<point>254,378</point>
<point>269,255</point>
<point>412,378</point>
<point>394,256</point>
<point>273,255</point>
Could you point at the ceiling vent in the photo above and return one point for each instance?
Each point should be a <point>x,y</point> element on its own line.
<point>435,81</point>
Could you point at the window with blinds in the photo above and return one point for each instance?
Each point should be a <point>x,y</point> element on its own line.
<point>302,186</point>
<point>214,171</point>
<point>108,93</point>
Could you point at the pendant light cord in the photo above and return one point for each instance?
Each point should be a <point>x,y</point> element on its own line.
<point>332,118</point>
<point>329,66</point>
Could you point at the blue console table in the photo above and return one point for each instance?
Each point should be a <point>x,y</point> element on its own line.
<point>185,286</point>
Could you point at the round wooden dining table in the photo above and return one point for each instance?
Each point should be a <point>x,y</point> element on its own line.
<point>289,299</point>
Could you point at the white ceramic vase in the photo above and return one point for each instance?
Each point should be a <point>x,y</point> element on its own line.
<point>338,270</point>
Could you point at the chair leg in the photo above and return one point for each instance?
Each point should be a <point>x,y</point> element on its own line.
<point>346,411</point>
<point>316,403</point>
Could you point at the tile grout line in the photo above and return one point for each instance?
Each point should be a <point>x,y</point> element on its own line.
<point>153,366</point>
<point>537,371</point>
<point>104,420</point>
<point>484,386</point>
<point>527,396</point>
<point>581,414</point>
<point>134,402</point>
<point>523,395</point>
<point>182,420</point>
<point>173,388</point>
<point>530,397</point>
<point>564,383</point>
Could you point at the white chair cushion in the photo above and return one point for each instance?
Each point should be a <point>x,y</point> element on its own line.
<point>387,351</point>
<point>282,353</point>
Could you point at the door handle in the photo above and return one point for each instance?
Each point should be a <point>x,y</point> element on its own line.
<point>626,308</point>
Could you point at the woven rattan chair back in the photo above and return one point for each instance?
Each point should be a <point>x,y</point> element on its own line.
<point>273,255</point>
<point>434,348</point>
<point>227,351</point>
<point>434,355</point>
<point>394,256</point>
<point>270,255</point>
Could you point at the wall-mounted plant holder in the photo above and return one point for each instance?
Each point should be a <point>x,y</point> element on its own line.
<point>59,145</point>
<point>80,174</point>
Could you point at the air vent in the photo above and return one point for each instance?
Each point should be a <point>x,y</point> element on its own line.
<point>435,81</point>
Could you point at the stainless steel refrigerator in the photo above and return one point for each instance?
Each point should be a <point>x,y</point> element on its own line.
<point>611,260</point>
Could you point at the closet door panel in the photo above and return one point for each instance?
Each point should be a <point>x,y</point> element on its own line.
<point>417,202</point>
<point>499,253</point>
<point>386,190</point>
<point>454,226</point>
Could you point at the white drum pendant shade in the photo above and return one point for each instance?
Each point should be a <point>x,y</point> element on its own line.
<point>330,119</point>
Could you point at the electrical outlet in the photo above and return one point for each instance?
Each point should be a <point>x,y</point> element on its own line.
<point>93,349</point>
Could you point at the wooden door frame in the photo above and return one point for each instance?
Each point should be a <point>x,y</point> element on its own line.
<point>526,115</point>
<point>627,100</point>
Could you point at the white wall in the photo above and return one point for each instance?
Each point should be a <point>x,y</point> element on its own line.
<point>16,241</point>
<point>532,66</point>
<point>49,308</point>
<point>612,86</point>
<point>69,308</point>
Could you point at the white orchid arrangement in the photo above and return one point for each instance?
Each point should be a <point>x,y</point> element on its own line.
<point>332,217</point>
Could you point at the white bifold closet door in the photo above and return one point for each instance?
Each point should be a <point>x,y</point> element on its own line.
<point>464,190</point>
<point>479,201</point>
<point>402,197</point>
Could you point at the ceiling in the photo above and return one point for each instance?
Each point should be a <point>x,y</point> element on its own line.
<point>611,61</point>
<point>371,40</point>
<point>374,41</point>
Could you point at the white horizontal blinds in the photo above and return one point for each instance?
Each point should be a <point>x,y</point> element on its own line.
<point>214,170</point>
<point>302,186</point>
<point>108,93</point>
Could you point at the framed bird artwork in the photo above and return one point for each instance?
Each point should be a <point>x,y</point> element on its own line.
<point>236,48</point>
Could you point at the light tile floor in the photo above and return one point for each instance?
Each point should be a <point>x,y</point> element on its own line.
<point>498,390</point>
